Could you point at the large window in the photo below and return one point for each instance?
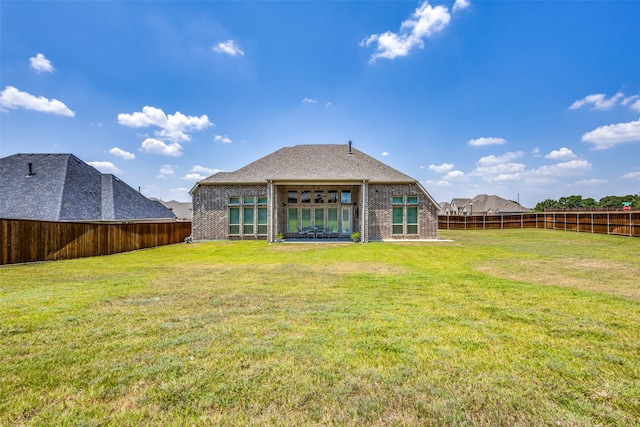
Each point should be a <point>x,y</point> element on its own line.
<point>405,214</point>
<point>412,220</point>
<point>247,216</point>
<point>398,214</point>
<point>305,218</point>
<point>262,221</point>
<point>332,219</point>
<point>234,221</point>
<point>319,217</point>
<point>247,223</point>
<point>292,220</point>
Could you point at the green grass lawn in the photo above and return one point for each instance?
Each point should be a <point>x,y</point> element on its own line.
<point>506,327</point>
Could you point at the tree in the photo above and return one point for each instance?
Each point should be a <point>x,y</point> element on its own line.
<point>546,204</point>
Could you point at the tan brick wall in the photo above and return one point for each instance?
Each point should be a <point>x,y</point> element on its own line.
<point>380,212</point>
<point>211,209</point>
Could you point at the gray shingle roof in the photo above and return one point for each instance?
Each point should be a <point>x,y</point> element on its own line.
<point>61,187</point>
<point>483,204</point>
<point>323,162</point>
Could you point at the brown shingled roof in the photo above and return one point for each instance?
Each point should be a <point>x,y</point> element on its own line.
<point>323,162</point>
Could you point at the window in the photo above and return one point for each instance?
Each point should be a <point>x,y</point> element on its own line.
<point>292,220</point>
<point>306,196</point>
<point>247,223</point>
<point>262,220</point>
<point>345,196</point>
<point>234,221</point>
<point>412,219</point>
<point>319,217</point>
<point>332,219</point>
<point>242,212</point>
<point>293,197</point>
<point>319,197</point>
<point>333,196</point>
<point>404,211</point>
<point>398,215</point>
<point>305,218</point>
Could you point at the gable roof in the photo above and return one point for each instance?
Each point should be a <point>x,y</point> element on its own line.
<point>182,210</point>
<point>61,187</point>
<point>483,203</point>
<point>321,162</point>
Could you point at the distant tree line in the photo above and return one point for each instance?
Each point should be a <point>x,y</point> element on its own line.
<point>578,202</point>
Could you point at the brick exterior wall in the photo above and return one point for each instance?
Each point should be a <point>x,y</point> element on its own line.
<point>211,209</point>
<point>380,212</point>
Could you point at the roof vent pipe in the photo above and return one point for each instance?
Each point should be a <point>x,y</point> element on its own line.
<point>350,152</point>
<point>31,169</point>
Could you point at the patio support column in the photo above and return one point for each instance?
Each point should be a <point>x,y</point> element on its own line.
<point>270,216</point>
<point>364,209</point>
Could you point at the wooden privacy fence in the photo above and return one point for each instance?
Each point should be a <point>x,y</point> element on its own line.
<point>28,241</point>
<point>618,223</point>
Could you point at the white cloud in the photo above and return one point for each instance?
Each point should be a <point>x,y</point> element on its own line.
<point>572,167</point>
<point>445,167</point>
<point>121,153</point>
<point>166,171</point>
<point>499,169</point>
<point>202,169</point>
<point>105,167</point>
<point>11,97</point>
<point>384,153</point>
<point>173,127</point>
<point>460,5</point>
<point>41,64</point>
<point>505,158</point>
<point>221,138</point>
<point>636,105</point>
<point>155,146</point>
<point>480,142</point>
<point>629,100</point>
<point>309,101</point>
<point>424,22</point>
<point>598,101</point>
<point>612,135</point>
<point>594,181</point>
<point>453,175</point>
<point>440,183</point>
<point>228,47</point>
<point>562,154</point>
<point>631,175</point>
<point>193,177</point>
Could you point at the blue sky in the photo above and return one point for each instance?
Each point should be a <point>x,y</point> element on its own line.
<point>525,100</point>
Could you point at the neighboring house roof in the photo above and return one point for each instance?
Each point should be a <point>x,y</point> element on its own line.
<point>492,204</point>
<point>485,204</point>
<point>61,187</point>
<point>182,210</point>
<point>319,162</point>
<point>445,208</point>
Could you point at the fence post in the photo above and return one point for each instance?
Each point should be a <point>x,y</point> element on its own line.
<point>608,223</point>
<point>630,226</point>
<point>591,222</point>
